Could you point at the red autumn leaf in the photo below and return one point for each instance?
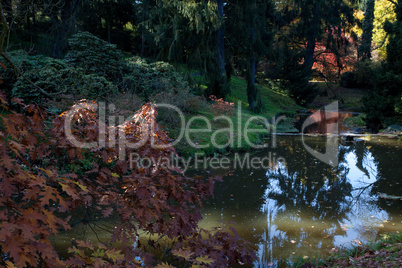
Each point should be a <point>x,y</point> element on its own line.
<point>3,98</point>
<point>69,190</point>
<point>85,244</point>
<point>26,231</point>
<point>107,212</point>
<point>48,195</point>
<point>13,246</point>
<point>18,100</point>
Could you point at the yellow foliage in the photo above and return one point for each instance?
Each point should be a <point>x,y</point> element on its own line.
<point>384,10</point>
<point>359,15</point>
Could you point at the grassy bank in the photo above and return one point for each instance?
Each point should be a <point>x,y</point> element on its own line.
<point>385,252</point>
<point>220,127</point>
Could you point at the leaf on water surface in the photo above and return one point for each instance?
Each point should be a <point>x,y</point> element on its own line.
<point>386,196</point>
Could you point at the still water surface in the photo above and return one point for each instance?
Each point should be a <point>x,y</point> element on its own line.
<point>293,205</point>
<point>303,207</point>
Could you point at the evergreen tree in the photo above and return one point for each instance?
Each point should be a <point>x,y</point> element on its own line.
<point>64,21</point>
<point>108,19</point>
<point>252,19</point>
<point>367,36</point>
<point>188,31</point>
<point>383,104</point>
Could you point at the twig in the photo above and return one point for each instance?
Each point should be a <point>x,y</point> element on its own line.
<point>5,28</point>
<point>96,234</point>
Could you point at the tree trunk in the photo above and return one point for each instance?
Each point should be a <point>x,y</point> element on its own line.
<point>8,9</point>
<point>312,36</point>
<point>251,89</point>
<point>66,25</point>
<point>221,41</point>
<point>254,99</point>
<point>143,31</point>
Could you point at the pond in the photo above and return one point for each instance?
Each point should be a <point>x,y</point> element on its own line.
<point>295,205</point>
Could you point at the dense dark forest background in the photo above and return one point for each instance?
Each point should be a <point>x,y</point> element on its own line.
<point>292,41</point>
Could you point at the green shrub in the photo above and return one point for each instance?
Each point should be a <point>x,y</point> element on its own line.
<point>97,87</point>
<point>363,75</point>
<point>95,56</point>
<point>42,71</point>
<point>382,102</point>
<point>348,80</point>
<point>24,62</point>
<point>55,77</point>
<point>299,87</point>
<point>147,80</point>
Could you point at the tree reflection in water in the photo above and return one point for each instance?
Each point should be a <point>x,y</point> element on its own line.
<point>303,207</point>
<point>306,202</point>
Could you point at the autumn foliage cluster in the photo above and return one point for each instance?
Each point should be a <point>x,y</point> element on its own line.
<point>334,57</point>
<point>221,107</point>
<point>48,186</point>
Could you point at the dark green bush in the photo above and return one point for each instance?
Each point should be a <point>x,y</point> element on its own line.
<point>348,80</point>
<point>42,71</point>
<point>147,80</point>
<point>55,77</point>
<point>363,75</point>
<point>25,63</point>
<point>382,103</point>
<point>298,86</point>
<point>95,56</point>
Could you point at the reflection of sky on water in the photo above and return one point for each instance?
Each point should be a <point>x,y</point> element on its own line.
<point>361,223</point>
<point>304,207</point>
<point>364,215</point>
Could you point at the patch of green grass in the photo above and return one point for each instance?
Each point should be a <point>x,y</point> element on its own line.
<point>274,102</point>
<point>356,121</point>
<point>211,135</point>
